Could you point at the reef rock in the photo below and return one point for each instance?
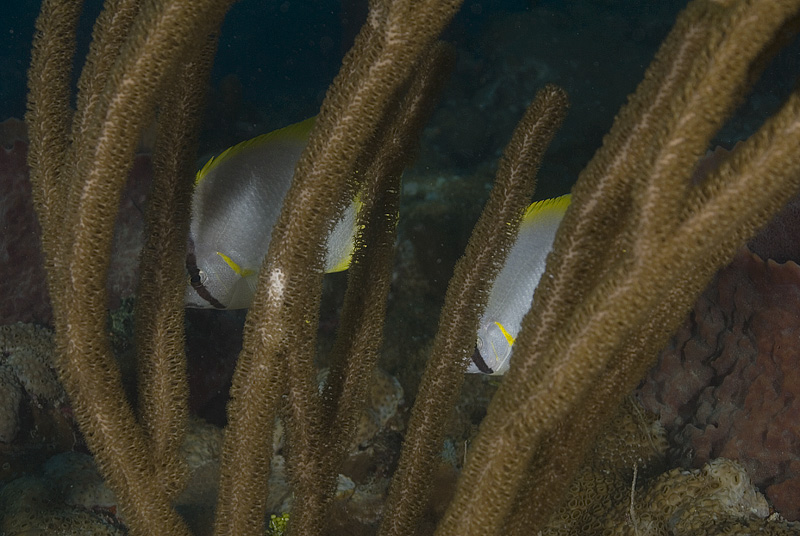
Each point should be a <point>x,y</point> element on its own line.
<point>621,490</point>
<point>26,370</point>
<point>23,287</point>
<point>717,499</point>
<point>728,384</point>
<point>33,505</point>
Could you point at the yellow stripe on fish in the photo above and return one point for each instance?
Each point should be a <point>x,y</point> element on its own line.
<point>512,291</point>
<point>243,272</point>
<point>236,202</point>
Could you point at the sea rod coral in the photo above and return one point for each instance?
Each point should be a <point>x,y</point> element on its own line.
<point>637,245</point>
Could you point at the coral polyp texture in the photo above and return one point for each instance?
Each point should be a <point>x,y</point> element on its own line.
<point>716,499</point>
<point>633,439</point>
<point>728,384</point>
<point>26,369</point>
<point>621,491</point>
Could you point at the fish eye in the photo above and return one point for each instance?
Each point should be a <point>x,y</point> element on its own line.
<point>197,278</point>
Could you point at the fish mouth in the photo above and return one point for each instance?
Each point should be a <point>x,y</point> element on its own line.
<point>477,359</point>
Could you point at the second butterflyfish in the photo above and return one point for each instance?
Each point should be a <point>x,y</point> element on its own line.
<point>512,291</point>
<point>236,202</point>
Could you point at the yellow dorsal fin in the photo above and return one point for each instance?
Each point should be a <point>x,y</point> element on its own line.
<point>546,207</point>
<point>297,131</point>
<point>243,272</point>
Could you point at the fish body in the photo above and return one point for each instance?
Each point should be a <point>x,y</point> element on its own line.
<point>512,291</point>
<point>236,202</point>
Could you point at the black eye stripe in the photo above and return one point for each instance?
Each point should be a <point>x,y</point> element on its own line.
<point>194,277</point>
<point>477,358</point>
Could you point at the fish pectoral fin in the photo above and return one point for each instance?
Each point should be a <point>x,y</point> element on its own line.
<point>252,282</point>
<point>243,272</point>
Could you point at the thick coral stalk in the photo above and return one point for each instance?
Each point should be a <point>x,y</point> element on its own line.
<point>650,240</point>
<point>280,331</point>
<point>77,183</point>
<point>492,238</point>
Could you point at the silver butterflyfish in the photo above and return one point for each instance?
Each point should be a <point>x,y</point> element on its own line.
<point>512,291</point>
<point>236,202</point>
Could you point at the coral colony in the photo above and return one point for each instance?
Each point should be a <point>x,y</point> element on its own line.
<point>315,438</point>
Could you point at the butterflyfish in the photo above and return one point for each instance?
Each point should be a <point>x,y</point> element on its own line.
<point>236,202</point>
<point>512,291</point>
